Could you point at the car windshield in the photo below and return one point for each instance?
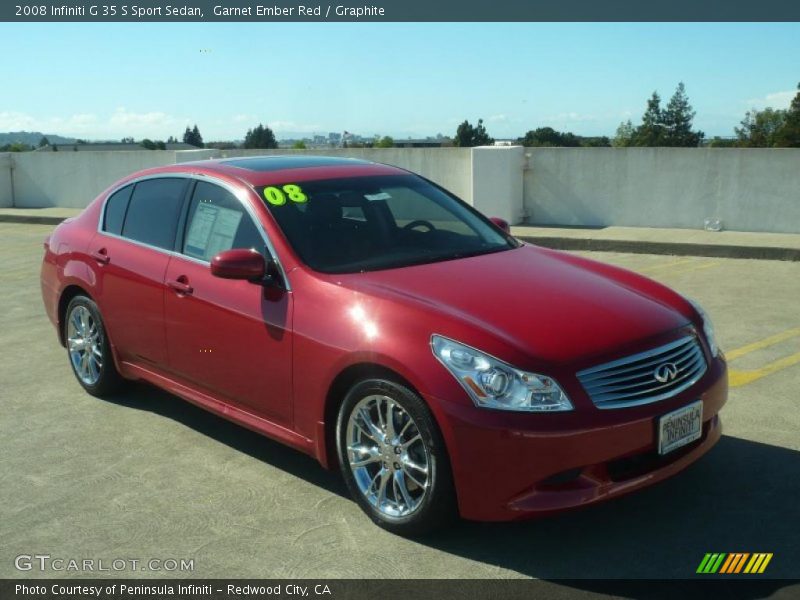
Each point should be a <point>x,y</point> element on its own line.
<point>371,223</point>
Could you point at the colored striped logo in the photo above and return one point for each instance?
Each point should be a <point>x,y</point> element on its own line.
<point>735,562</point>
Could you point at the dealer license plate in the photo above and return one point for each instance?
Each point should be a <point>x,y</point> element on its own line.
<point>680,427</point>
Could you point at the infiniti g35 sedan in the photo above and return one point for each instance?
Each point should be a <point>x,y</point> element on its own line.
<point>369,318</point>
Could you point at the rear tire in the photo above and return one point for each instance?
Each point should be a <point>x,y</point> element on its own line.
<point>88,349</point>
<point>393,458</point>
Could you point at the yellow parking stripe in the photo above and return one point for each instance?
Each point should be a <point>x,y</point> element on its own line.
<point>769,341</point>
<point>667,265</point>
<point>739,378</point>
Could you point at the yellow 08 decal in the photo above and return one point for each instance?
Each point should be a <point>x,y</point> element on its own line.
<point>277,196</point>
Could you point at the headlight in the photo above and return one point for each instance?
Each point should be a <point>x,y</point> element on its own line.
<point>708,327</point>
<point>492,383</point>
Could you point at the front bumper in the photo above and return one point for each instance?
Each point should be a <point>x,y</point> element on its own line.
<point>508,466</point>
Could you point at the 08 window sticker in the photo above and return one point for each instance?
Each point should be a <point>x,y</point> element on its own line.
<point>277,196</point>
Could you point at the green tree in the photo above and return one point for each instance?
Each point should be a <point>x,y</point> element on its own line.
<point>651,131</point>
<point>260,137</point>
<point>624,136</point>
<point>44,142</point>
<point>759,128</point>
<point>468,136</point>
<point>148,144</point>
<point>788,136</point>
<point>129,140</point>
<point>547,136</point>
<point>385,142</point>
<point>718,142</point>
<point>596,142</point>
<point>677,121</point>
<point>193,137</point>
<point>16,147</point>
<point>299,145</point>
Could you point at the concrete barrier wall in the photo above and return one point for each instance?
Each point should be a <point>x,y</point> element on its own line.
<point>6,189</point>
<point>747,189</point>
<point>73,179</point>
<point>497,181</point>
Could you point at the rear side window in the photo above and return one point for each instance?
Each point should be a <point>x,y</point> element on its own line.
<point>153,213</point>
<point>217,222</point>
<point>116,205</point>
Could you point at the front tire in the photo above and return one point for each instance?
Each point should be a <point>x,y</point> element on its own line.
<point>393,459</point>
<point>88,349</point>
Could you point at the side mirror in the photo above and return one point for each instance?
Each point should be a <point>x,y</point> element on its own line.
<point>239,264</point>
<point>501,224</point>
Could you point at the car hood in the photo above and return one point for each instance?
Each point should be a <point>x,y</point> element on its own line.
<point>552,306</point>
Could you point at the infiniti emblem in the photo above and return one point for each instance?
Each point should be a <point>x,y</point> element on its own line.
<point>666,372</point>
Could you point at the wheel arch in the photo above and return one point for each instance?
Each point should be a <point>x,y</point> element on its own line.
<point>343,381</point>
<point>67,294</point>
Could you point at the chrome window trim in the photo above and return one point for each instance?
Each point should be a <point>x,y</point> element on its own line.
<point>611,405</point>
<point>237,193</point>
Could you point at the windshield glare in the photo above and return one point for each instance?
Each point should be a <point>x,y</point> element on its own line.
<point>369,223</point>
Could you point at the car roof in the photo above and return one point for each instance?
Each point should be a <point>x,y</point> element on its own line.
<point>268,170</point>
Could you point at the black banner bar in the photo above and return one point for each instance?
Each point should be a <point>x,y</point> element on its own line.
<point>398,10</point>
<point>394,589</point>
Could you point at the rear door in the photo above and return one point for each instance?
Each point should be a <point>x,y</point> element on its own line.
<point>231,338</point>
<point>132,250</point>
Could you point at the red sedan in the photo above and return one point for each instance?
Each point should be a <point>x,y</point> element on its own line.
<point>365,316</point>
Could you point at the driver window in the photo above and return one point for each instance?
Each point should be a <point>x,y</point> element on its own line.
<point>218,221</point>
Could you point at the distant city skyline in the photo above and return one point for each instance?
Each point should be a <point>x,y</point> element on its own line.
<point>114,80</point>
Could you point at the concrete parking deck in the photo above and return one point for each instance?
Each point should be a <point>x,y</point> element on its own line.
<point>146,475</point>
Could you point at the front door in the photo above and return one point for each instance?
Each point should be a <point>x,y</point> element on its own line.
<point>229,338</point>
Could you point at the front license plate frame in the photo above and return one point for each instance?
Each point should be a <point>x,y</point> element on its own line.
<point>680,427</point>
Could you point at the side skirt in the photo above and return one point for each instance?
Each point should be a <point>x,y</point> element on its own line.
<point>222,409</point>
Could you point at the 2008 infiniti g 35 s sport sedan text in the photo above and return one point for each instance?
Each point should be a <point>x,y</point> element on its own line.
<point>367,317</point>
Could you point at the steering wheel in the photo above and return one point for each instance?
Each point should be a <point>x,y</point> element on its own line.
<point>420,223</point>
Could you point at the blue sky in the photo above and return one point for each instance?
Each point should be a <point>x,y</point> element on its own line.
<point>106,81</point>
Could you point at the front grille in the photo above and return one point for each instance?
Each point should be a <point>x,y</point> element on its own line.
<point>631,381</point>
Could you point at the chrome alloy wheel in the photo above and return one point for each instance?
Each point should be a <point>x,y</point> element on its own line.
<point>85,344</point>
<point>388,457</point>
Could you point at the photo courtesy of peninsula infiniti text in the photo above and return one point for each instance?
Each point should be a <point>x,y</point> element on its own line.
<point>366,316</point>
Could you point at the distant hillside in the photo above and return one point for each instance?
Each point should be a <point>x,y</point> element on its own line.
<point>32,138</point>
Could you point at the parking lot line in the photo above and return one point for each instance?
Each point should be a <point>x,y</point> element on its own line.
<point>740,378</point>
<point>768,341</point>
<point>667,265</point>
<point>737,378</point>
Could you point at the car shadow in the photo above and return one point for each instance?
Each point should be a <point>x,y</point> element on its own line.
<point>142,396</point>
<point>740,497</point>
